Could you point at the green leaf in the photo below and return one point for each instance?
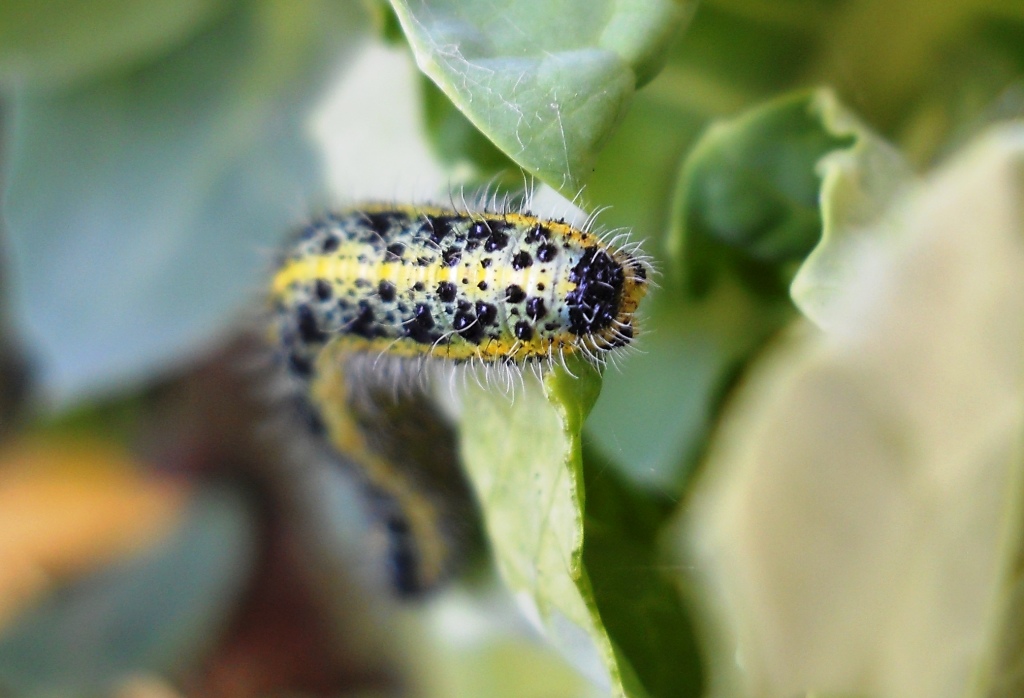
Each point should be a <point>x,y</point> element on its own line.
<point>547,82</point>
<point>633,587</point>
<point>53,43</point>
<point>747,198</point>
<point>522,455</point>
<point>474,643</point>
<point>138,205</point>
<point>592,576</point>
<point>858,186</point>
<point>859,525</point>
<point>657,411</point>
<point>457,142</point>
<point>84,639</point>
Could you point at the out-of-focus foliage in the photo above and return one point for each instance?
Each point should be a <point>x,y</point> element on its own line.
<point>50,495</point>
<point>748,194</point>
<point>80,511</point>
<point>854,527</point>
<point>56,43</point>
<point>864,491</point>
<point>138,201</point>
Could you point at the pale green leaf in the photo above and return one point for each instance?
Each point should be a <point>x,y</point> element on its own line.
<point>858,184</point>
<point>858,529</point>
<point>523,458</point>
<point>546,81</point>
<point>480,645</point>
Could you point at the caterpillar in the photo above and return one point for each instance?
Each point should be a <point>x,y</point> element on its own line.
<point>361,291</point>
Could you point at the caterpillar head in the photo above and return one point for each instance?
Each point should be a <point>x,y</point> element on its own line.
<point>609,287</point>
